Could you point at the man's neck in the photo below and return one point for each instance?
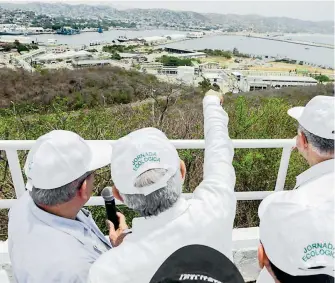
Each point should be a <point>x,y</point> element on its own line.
<point>63,210</point>
<point>318,159</point>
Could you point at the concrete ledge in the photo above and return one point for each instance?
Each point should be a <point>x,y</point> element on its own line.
<point>245,244</point>
<point>3,276</point>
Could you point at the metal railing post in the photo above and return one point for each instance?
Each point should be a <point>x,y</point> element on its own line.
<point>15,170</point>
<point>282,172</point>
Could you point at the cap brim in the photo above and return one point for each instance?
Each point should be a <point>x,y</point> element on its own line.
<point>296,112</point>
<point>101,154</point>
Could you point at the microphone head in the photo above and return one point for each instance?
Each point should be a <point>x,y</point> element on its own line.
<point>107,194</point>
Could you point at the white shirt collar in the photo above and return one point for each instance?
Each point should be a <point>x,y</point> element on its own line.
<point>315,171</point>
<point>71,227</point>
<point>142,225</point>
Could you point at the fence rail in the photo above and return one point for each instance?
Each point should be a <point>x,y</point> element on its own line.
<point>11,147</point>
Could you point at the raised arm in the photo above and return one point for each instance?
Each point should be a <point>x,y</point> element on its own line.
<point>219,174</point>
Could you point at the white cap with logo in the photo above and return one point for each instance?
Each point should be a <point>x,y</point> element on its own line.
<point>60,157</point>
<point>297,231</point>
<point>317,117</point>
<point>138,152</point>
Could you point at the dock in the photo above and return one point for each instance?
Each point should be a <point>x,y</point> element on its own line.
<point>306,43</point>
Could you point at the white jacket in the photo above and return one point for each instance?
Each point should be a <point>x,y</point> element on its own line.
<point>205,219</point>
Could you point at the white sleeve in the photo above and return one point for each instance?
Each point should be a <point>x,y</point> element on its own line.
<point>218,184</point>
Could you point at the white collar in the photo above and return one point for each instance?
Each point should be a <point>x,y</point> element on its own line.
<point>142,225</point>
<point>69,226</point>
<point>315,171</point>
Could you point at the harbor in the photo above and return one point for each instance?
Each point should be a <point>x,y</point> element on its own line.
<point>142,50</point>
<point>319,56</point>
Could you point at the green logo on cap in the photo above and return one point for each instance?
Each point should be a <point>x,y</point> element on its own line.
<point>143,158</point>
<point>318,249</point>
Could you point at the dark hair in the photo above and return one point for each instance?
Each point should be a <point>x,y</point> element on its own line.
<point>321,144</point>
<point>58,195</point>
<point>287,278</point>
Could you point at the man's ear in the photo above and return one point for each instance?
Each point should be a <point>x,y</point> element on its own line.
<point>116,194</point>
<point>262,257</point>
<point>83,193</point>
<point>182,169</point>
<point>302,140</point>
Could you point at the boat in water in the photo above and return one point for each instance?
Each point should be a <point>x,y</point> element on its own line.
<point>12,29</point>
<point>67,31</point>
<point>122,38</point>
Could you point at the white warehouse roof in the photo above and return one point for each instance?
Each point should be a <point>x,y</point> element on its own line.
<point>93,62</point>
<point>153,38</point>
<point>212,76</point>
<point>65,55</point>
<point>283,78</point>
<point>188,55</point>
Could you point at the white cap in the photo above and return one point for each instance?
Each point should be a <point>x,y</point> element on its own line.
<point>138,152</point>
<point>317,117</point>
<point>297,231</point>
<point>60,157</point>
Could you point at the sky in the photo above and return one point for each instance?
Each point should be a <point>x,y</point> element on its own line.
<point>304,10</point>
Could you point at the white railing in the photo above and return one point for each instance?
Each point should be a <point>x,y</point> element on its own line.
<point>11,148</point>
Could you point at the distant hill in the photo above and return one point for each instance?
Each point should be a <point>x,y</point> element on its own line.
<point>163,17</point>
<point>264,24</point>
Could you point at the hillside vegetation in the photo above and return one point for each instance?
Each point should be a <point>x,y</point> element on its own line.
<point>255,115</point>
<point>78,89</point>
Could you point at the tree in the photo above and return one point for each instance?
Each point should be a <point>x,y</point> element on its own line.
<point>205,85</point>
<point>322,78</point>
<point>235,51</point>
<point>116,56</point>
<point>174,61</point>
<point>216,87</point>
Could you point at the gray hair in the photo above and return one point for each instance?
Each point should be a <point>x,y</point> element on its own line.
<point>59,195</point>
<point>324,147</point>
<point>158,201</point>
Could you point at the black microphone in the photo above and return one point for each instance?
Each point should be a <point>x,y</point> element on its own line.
<point>107,195</point>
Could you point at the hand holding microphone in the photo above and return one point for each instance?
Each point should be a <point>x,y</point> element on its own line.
<point>107,194</point>
<point>116,221</point>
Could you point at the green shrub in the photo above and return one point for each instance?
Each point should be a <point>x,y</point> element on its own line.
<point>174,61</point>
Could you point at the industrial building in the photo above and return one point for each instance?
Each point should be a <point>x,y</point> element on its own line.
<point>176,36</point>
<point>214,78</point>
<point>195,35</point>
<point>59,49</point>
<point>186,74</point>
<point>91,63</point>
<point>152,66</point>
<point>190,55</point>
<point>258,82</point>
<point>153,39</point>
<point>51,57</point>
<point>250,83</point>
<point>36,30</point>
<point>209,66</point>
